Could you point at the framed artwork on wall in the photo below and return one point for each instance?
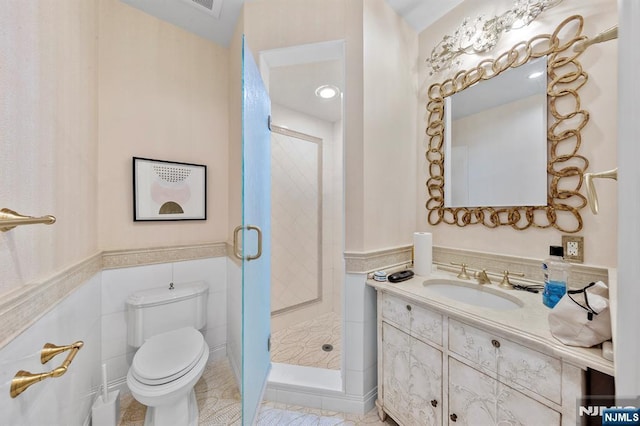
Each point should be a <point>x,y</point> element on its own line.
<point>168,190</point>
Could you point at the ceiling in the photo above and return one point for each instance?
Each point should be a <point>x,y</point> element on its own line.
<point>216,19</point>
<point>212,19</point>
<point>292,84</point>
<point>422,13</point>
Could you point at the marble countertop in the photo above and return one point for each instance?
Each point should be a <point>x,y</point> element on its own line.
<point>527,325</point>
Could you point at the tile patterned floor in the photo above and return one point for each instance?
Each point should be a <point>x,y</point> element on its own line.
<point>301,344</point>
<point>219,404</point>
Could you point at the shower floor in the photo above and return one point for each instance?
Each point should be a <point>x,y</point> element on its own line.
<point>302,343</point>
<point>219,404</point>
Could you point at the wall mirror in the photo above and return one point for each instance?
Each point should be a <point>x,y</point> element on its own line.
<point>517,101</point>
<point>504,144</point>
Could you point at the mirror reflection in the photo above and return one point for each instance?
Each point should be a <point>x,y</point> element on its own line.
<point>495,147</point>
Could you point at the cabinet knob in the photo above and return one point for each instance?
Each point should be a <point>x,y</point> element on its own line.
<point>434,402</point>
<point>453,417</point>
<point>408,307</point>
<point>495,343</point>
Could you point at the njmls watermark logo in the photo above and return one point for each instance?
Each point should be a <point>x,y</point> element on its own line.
<point>608,411</point>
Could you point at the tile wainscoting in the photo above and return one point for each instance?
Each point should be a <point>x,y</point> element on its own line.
<point>86,302</point>
<point>23,307</point>
<point>401,258</point>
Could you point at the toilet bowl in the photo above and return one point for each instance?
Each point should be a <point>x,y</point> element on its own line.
<point>164,324</point>
<point>163,375</point>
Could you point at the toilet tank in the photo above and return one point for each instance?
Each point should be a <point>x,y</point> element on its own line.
<point>155,311</point>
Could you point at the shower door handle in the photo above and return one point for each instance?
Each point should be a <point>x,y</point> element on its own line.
<point>237,251</point>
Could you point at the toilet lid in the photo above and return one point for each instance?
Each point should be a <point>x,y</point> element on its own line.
<point>167,356</point>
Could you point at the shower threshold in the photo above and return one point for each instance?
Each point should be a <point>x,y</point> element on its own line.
<point>306,377</point>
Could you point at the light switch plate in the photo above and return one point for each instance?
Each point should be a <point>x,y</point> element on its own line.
<point>573,248</point>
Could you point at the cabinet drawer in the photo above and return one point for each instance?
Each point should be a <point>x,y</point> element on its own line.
<point>520,367</point>
<point>396,311</point>
<point>409,316</point>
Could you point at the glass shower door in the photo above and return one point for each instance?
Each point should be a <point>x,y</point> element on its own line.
<point>256,237</point>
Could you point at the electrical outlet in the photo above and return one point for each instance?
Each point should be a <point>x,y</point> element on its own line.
<point>573,248</point>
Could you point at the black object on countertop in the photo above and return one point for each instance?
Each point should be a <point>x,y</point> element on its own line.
<point>529,288</point>
<point>397,277</point>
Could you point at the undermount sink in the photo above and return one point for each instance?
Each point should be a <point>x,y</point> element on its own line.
<point>472,294</point>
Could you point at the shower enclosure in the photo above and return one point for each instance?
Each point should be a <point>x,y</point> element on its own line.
<point>315,233</point>
<point>306,274</point>
<point>307,206</point>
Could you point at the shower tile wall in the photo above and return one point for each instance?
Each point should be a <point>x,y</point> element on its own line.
<point>294,221</point>
<point>331,218</point>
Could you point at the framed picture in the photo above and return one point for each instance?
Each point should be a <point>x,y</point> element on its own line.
<point>167,190</point>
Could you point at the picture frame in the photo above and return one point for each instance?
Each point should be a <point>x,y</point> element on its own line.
<point>168,190</point>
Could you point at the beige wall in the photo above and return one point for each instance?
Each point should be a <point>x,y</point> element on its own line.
<point>599,143</point>
<point>114,83</point>
<point>390,79</point>
<point>234,166</point>
<point>163,94</point>
<point>48,135</point>
<point>87,85</point>
<point>380,100</point>
<point>271,24</point>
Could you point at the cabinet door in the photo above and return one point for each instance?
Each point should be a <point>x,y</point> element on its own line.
<point>471,396</point>
<point>425,385</point>
<point>395,384</point>
<point>516,365</point>
<point>477,399</point>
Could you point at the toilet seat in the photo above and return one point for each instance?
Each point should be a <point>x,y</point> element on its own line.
<point>168,356</point>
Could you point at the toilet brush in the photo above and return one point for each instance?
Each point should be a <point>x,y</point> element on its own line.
<point>105,397</point>
<point>106,408</point>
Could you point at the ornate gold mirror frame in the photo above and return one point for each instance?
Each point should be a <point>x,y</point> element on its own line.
<point>565,166</point>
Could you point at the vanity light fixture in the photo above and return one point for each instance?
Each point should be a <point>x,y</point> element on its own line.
<point>327,91</point>
<point>482,34</point>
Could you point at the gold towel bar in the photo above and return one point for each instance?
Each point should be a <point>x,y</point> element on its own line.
<point>23,379</point>
<point>10,219</point>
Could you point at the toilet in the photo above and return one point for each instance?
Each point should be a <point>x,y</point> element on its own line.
<point>164,323</point>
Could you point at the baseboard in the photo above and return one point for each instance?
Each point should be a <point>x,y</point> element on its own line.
<point>237,372</point>
<point>217,353</point>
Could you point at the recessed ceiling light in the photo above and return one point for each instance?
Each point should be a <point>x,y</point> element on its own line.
<point>327,91</point>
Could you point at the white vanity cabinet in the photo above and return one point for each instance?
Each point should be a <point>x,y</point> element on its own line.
<point>435,369</point>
